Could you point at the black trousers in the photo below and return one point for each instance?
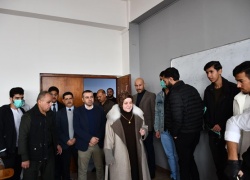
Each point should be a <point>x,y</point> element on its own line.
<point>149,147</point>
<point>45,167</point>
<point>58,167</point>
<point>71,151</point>
<point>185,146</point>
<point>13,161</point>
<point>219,153</point>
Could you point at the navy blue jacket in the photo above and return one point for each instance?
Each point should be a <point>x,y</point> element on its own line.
<point>81,127</point>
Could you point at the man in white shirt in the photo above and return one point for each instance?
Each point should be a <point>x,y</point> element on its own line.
<point>10,118</point>
<point>236,124</point>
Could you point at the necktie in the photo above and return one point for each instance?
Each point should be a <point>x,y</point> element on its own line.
<point>54,107</point>
<point>70,123</point>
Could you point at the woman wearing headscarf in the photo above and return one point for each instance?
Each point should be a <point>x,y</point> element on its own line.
<point>123,146</point>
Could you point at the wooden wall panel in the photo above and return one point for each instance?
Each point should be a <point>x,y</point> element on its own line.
<point>72,84</point>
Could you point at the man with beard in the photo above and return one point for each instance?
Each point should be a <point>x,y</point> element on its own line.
<point>238,123</point>
<point>183,114</point>
<point>89,127</point>
<point>110,95</point>
<point>145,100</point>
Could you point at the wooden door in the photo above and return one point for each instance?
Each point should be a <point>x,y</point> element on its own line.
<point>64,84</point>
<point>68,82</point>
<point>123,83</point>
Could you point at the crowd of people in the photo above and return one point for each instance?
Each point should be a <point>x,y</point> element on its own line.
<point>118,133</point>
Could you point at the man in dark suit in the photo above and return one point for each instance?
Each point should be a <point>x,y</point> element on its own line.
<point>145,100</point>
<point>10,118</point>
<point>89,127</point>
<point>56,106</point>
<point>64,119</point>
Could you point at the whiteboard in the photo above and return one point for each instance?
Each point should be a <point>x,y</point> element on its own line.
<point>191,66</point>
<point>191,72</point>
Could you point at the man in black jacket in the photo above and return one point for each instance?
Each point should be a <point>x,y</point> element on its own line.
<point>56,106</point>
<point>218,100</point>
<point>38,140</point>
<point>183,114</point>
<point>10,117</point>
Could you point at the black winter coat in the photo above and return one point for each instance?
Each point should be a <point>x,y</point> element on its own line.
<point>183,109</point>
<point>37,134</point>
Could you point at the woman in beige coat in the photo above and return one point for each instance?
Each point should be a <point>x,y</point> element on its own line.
<point>123,146</point>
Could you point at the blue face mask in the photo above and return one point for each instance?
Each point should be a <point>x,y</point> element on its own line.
<point>163,85</point>
<point>18,103</point>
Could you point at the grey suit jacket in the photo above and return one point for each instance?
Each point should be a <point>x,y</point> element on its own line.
<point>147,105</point>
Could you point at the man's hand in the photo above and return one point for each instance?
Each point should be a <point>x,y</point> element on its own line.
<point>25,164</point>
<point>217,128</point>
<point>71,142</point>
<point>59,149</point>
<point>142,132</point>
<point>93,141</point>
<point>157,134</point>
<point>232,169</point>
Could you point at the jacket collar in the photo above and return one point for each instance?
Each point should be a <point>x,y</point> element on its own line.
<point>225,86</point>
<point>115,114</point>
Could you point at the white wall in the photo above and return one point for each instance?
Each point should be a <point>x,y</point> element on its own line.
<point>125,52</point>
<point>31,46</point>
<point>139,7</point>
<point>112,12</point>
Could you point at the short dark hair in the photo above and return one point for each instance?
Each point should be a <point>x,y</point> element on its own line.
<point>67,93</point>
<point>53,88</point>
<point>110,89</point>
<point>42,95</point>
<point>215,64</point>
<point>243,67</point>
<point>171,72</point>
<point>161,74</point>
<point>122,96</point>
<point>87,91</point>
<point>16,90</point>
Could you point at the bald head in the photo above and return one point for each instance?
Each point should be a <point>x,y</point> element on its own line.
<point>139,85</point>
<point>101,96</point>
